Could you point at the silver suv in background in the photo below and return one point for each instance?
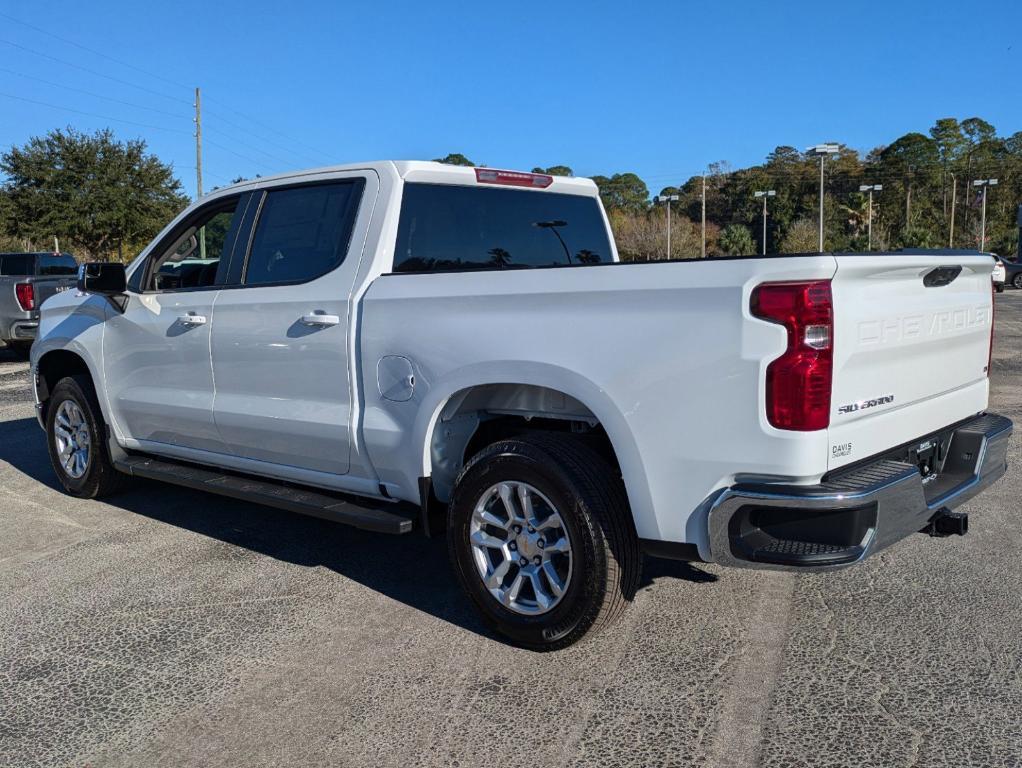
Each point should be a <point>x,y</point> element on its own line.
<point>26,281</point>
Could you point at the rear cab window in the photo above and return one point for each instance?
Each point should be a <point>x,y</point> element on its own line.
<point>57,264</point>
<point>446,227</point>
<point>17,264</point>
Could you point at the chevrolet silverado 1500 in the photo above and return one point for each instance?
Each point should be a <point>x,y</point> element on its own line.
<point>406,344</point>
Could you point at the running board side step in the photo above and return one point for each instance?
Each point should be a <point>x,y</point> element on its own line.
<point>356,511</point>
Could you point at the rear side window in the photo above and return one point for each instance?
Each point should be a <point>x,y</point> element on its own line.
<point>445,227</point>
<point>57,264</point>
<point>20,264</point>
<point>303,232</point>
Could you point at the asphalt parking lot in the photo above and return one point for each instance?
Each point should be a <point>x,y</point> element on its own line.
<point>170,628</point>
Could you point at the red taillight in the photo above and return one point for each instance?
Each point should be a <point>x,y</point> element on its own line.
<point>798,383</point>
<point>26,295</point>
<point>513,178</point>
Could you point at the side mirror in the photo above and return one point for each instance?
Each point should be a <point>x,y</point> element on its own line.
<point>104,278</point>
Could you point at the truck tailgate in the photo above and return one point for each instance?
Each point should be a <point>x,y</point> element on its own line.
<point>48,286</point>
<point>911,348</point>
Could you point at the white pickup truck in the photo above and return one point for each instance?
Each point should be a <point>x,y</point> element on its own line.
<point>400,345</point>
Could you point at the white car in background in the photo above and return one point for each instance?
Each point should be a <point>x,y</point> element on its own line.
<point>998,275</point>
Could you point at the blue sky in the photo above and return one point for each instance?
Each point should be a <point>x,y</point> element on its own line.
<point>661,89</point>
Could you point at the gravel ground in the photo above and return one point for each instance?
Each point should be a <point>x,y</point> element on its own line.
<point>170,628</point>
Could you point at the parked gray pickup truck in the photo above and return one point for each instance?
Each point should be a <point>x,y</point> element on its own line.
<point>26,281</point>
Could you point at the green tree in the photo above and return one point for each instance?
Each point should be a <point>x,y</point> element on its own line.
<point>454,158</point>
<point>802,237</point>
<point>735,240</point>
<point>94,192</point>
<point>623,192</point>
<point>555,170</point>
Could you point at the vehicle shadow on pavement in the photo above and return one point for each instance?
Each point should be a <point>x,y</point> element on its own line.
<point>411,569</point>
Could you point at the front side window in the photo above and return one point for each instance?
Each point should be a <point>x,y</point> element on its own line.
<point>20,264</point>
<point>193,257</point>
<point>444,227</point>
<point>302,232</point>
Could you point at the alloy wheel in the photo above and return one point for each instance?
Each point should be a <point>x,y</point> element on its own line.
<point>72,438</point>
<point>521,548</point>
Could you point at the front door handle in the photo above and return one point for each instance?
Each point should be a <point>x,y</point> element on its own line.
<point>192,319</point>
<point>317,319</point>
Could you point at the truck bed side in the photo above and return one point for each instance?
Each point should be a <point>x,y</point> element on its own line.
<point>666,356</point>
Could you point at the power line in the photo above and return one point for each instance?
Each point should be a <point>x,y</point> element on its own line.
<point>94,114</point>
<point>169,81</point>
<point>250,132</point>
<point>277,158</point>
<point>90,93</point>
<point>317,150</point>
<point>260,163</point>
<point>94,72</point>
<point>94,52</point>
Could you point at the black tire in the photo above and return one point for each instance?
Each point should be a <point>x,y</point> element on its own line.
<point>100,479</point>
<point>999,288</point>
<point>1016,281</point>
<point>589,496</point>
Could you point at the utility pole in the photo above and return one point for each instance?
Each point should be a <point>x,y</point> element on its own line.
<point>702,251</point>
<point>198,143</point>
<point>869,227</point>
<point>198,165</point>
<point>821,151</point>
<point>668,199</point>
<point>954,193</point>
<point>984,183</point>
<point>908,200</point>
<point>764,194</point>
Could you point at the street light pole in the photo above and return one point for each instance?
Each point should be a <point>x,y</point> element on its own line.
<point>765,193</point>
<point>984,183</point>
<point>869,227</point>
<point>821,151</point>
<point>668,199</point>
<point>702,227</point>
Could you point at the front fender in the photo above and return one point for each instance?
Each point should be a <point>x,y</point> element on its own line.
<point>74,322</point>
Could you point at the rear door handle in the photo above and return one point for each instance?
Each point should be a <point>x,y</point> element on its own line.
<point>192,319</point>
<point>316,319</point>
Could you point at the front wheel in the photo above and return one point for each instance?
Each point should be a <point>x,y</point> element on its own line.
<point>999,287</point>
<point>541,539</point>
<point>1017,280</point>
<point>76,438</point>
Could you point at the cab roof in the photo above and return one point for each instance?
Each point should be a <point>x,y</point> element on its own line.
<point>432,172</point>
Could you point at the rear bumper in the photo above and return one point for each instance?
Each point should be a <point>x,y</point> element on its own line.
<point>20,330</point>
<point>856,512</point>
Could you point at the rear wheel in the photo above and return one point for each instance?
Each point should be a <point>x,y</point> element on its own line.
<point>76,439</point>
<point>541,539</point>
<point>1017,280</point>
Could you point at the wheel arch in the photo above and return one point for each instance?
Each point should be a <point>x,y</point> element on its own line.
<point>530,391</point>
<point>51,366</point>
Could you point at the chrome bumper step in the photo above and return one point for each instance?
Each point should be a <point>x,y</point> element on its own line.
<point>856,512</point>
